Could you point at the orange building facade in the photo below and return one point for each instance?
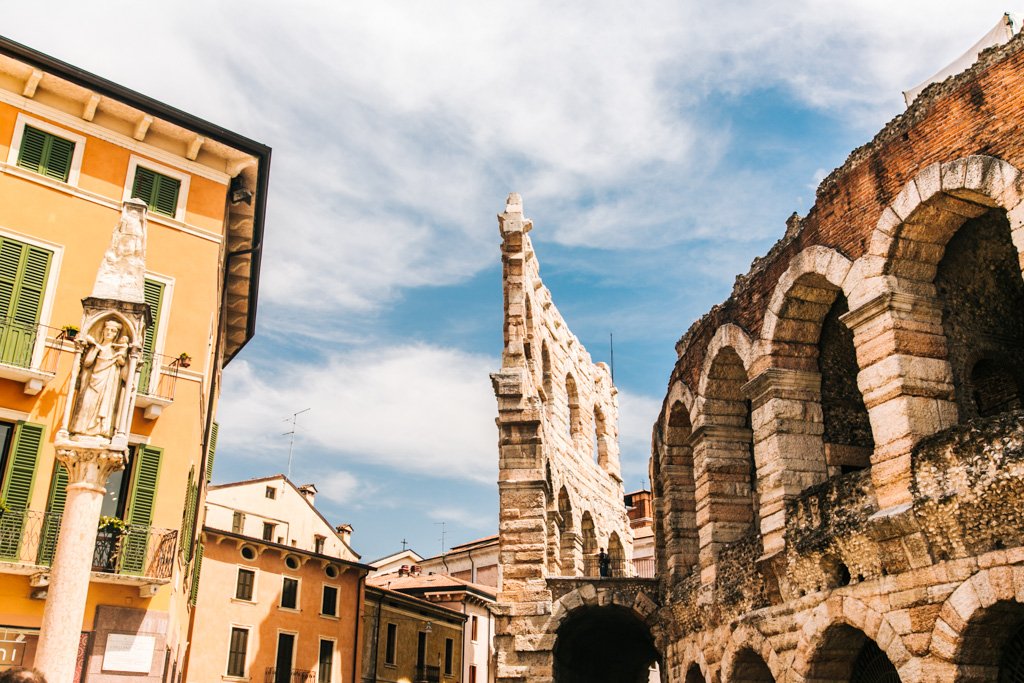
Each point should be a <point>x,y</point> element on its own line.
<point>281,590</point>
<point>73,148</point>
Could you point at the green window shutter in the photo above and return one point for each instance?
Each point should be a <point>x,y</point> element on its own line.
<point>46,154</point>
<point>24,270</point>
<point>54,512</point>
<point>193,593</point>
<point>17,486</point>
<point>189,517</point>
<point>211,451</point>
<point>33,146</point>
<point>160,192</point>
<point>140,509</point>
<point>154,295</point>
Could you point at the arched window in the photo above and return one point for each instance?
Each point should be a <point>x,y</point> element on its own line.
<point>572,395</point>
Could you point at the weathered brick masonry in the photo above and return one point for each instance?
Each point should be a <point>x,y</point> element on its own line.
<point>811,527</point>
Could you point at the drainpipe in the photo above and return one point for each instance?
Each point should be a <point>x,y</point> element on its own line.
<point>376,638</point>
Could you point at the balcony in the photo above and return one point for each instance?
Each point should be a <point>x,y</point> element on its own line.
<point>427,674</point>
<point>274,675</point>
<point>619,569</point>
<point>139,556</point>
<point>22,359</point>
<point>158,377</point>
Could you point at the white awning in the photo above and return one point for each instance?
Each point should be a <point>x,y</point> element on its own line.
<point>1009,24</point>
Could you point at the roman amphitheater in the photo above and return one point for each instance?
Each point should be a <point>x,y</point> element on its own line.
<point>837,467</point>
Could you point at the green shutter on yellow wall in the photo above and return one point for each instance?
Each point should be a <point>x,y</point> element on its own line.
<point>160,192</point>
<point>140,509</point>
<point>154,295</point>
<point>46,154</point>
<point>17,486</point>
<point>54,512</point>
<point>188,519</point>
<point>211,451</point>
<point>24,270</point>
<point>193,594</point>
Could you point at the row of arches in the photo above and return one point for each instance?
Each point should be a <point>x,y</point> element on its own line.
<point>855,361</point>
<point>574,547</point>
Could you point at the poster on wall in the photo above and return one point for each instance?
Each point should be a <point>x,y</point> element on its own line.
<point>128,653</point>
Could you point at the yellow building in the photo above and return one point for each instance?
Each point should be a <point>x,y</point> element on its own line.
<point>73,148</point>
<point>280,590</point>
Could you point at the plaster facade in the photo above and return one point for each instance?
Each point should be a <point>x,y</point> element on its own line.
<point>836,468</point>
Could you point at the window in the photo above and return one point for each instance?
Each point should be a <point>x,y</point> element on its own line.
<point>248,552</point>
<point>292,562</point>
<point>159,191</point>
<point>268,531</point>
<point>285,658</point>
<point>326,668</point>
<point>421,649</point>
<point>17,469</point>
<point>290,593</point>
<point>24,272</point>
<point>237,522</point>
<point>153,292</point>
<point>449,651</point>
<point>318,544</point>
<point>389,644</point>
<point>46,153</point>
<point>474,623</point>
<point>329,604</point>
<point>271,493</point>
<point>472,673</point>
<point>244,584</point>
<point>236,651</point>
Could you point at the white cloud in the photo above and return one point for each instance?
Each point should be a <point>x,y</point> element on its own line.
<point>468,519</point>
<point>343,488</point>
<point>637,414</point>
<point>414,408</point>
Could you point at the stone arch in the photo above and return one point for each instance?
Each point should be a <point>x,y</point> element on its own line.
<point>845,613</point>
<point>572,396</point>
<point>617,555</point>
<point>600,438</point>
<point>750,658</point>
<point>695,664</point>
<point>568,545</point>
<point>977,618</point>
<point>723,454</point>
<point>676,502</point>
<point>588,532</point>
<point>547,378</point>
<point>528,336</point>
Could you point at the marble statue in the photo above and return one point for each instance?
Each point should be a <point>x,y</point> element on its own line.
<point>102,376</point>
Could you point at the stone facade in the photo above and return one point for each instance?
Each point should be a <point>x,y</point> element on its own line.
<point>559,483</point>
<point>837,465</point>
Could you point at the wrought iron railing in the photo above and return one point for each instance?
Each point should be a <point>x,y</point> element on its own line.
<point>427,674</point>
<point>610,568</point>
<point>30,537</point>
<point>158,375</point>
<point>18,344</point>
<point>643,567</point>
<point>275,675</point>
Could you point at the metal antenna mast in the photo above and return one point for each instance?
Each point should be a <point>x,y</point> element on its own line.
<point>291,440</point>
<point>443,532</point>
<point>611,353</point>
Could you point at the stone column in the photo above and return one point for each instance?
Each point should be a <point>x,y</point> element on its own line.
<point>721,457</point>
<point>88,470</point>
<point>906,382</point>
<point>788,449</point>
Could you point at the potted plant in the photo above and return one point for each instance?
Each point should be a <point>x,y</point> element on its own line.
<point>184,360</point>
<point>70,331</point>
<point>4,507</point>
<point>108,541</point>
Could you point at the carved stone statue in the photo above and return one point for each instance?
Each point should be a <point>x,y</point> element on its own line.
<point>122,273</point>
<point>102,377</point>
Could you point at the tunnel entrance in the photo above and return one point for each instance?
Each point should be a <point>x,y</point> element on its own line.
<point>603,645</point>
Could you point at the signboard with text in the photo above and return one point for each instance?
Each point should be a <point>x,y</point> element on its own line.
<point>128,653</point>
<point>11,653</point>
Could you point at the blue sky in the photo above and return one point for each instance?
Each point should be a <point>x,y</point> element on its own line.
<point>658,146</point>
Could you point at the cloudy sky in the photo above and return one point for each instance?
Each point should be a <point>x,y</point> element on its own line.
<point>659,146</point>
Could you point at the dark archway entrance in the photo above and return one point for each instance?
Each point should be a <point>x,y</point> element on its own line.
<point>603,645</point>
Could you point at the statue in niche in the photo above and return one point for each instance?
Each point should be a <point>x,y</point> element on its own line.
<point>102,376</point>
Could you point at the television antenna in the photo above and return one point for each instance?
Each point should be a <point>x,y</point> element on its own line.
<point>291,440</point>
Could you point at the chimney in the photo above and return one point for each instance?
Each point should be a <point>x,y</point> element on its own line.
<point>344,531</point>
<point>308,492</point>
<point>416,570</point>
<point>403,570</point>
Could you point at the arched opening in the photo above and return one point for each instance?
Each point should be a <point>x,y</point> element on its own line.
<point>846,655</point>
<point>617,556</point>
<point>567,536</point>
<point>992,647</point>
<point>750,668</point>
<point>847,429</point>
<point>693,675</point>
<point>573,398</point>
<point>724,457</point>
<point>603,645</point>
<point>546,376</point>
<point>982,292</point>
<point>554,546</point>
<point>680,491</point>
<point>528,336</point>
<point>590,549</point>
<point>599,445</point>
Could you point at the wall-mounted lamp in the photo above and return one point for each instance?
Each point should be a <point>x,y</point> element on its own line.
<point>239,192</point>
<point>428,628</point>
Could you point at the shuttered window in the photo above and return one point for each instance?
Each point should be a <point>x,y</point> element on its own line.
<point>160,192</point>
<point>211,451</point>
<point>24,270</point>
<point>329,603</point>
<point>19,478</point>
<point>188,519</point>
<point>46,154</point>
<point>54,512</point>
<point>237,650</point>
<point>244,584</point>
<point>154,295</point>
<point>140,509</point>
<point>290,593</point>
<point>197,568</point>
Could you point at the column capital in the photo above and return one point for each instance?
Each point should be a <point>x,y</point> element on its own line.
<point>901,304</point>
<point>91,465</point>
<point>782,383</point>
